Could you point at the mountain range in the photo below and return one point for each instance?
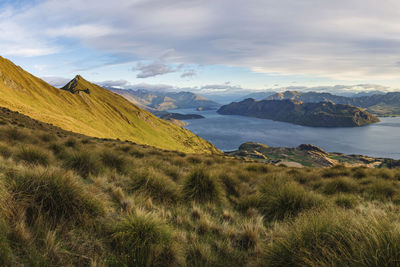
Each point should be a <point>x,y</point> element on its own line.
<point>156,100</point>
<point>322,114</point>
<point>89,109</point>
<point>379,104</point>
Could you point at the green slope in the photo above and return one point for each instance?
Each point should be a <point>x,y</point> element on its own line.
<point>86,108</point>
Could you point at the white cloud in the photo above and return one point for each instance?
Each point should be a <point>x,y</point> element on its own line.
<point>188,73</point>
<point>118,83</point>
<point>152,69</point>
<point>56,81</point>
<point>82,31</point>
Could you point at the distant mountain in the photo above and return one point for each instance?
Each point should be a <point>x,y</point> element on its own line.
<point>368,93</point>
<point>86,108</point>
<point>323,114</point>
<point>256,96</point>
<point>155,100</point>
<point>378,104</point>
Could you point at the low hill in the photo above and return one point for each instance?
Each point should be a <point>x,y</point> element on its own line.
<point>307,155</point>
<point>71,200</point>
<point>166,100</point>
<point>380,104</point>
<point>179,116</point>
<point>86,108</point>
<point>323,114</point>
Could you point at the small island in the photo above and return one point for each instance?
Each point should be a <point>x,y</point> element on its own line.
<point>323,114</point>
<point>179,116</point>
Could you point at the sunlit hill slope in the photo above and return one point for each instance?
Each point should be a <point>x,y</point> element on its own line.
<point>86,108</point>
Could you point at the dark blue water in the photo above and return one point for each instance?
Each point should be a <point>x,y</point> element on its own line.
<point>228,132</point>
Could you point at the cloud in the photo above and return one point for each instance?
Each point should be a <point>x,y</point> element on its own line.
<point>152,69</point>
<point>343,40</point>
<point>154,87</point>
<point>82,31</point>
<point>338,89</point>
<point>56,81</point>
<point>118,83</point>
<point>188,73</point>
<point>17,38</point>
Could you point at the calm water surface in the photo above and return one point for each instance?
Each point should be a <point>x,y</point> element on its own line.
<point>228,132</point>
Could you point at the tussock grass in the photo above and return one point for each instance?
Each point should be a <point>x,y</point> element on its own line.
<point>341,184</point>
<point>347,201</point>
<point>155,185</point>
<point>46,137</point>
<point>114,161</point>
<point>83,162</point>
<point>71,142</point>
<point>382,190</point>
<point>5,151</point>
<point>53,193</point>
<point>33,155</point>
<point>58,150</point>
<point>201,186</point>
<point>142,239</point>
<point>346,239</point>
<point>335,171</point>
<point>5,249</point>
<point>15,134</point>
<point>279,200</point>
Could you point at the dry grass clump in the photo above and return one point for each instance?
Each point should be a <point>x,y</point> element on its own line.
<point>5,151</point>
<point>15,134</point>
<point>141,239</point>
<point>347,201</point>
<point>346,239</point>
<point>340,185</point>
<point>382,190</point>
<point>155,185</point>
<point>33,155</point>
<point>114,161</point>
<point>279,200</point>
<point>335,171</point>
<point>83,162</point>
<point>202,187</point>
<point>53,193</point>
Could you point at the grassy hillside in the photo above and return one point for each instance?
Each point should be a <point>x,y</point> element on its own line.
<point>89,109</point>
<point>68,199</point>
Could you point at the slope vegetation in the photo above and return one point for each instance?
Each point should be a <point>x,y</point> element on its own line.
<point>86,108</point>
<point>71,200</point>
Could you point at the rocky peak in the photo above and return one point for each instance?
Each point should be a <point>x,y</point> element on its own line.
<point>77,85</point>
<point>309,147</point>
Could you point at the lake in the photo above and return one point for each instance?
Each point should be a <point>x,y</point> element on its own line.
<point>228,132</point>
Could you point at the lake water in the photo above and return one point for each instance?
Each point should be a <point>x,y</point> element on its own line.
<point>228,132</point>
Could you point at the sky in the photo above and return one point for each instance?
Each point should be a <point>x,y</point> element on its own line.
<point>207,46</point>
